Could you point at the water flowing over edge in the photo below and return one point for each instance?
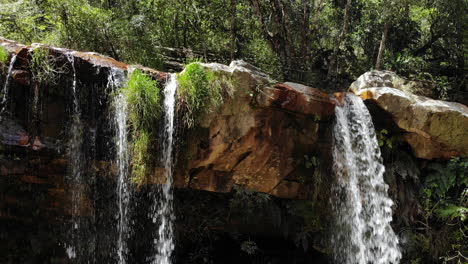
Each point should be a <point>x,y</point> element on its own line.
<point>75,154</point>
<point>5,86</point>
<point>163,207</point>
<point>360,201</point>
<point>115,81</point>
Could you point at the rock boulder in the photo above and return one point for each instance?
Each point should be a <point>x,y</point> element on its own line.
<point>434,128</point>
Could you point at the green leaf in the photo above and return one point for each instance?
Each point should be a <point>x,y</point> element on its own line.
<point>452,211</point>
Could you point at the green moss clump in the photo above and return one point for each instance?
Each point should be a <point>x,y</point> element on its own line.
<point>3,55</point>
<point>199,92</point>
<point>144,110</point>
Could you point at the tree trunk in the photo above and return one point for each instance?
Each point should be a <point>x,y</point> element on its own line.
<point>184,32</point>
<point>341,37</point>
<point>233,29</point>
<point>305,35</point>
<point>280,36</point>
<point>378,63</point>
<point>176,29</point>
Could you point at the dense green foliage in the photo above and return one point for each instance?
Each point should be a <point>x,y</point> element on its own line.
<point>325,43</point>
<point>199,91</point>
<point>443,231</point>
<point>144,110</point>
<point>3,55</point>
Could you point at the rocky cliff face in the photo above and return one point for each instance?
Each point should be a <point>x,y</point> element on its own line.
<point>267,137</point>
<point>259,137</point>
<point>259,140</point>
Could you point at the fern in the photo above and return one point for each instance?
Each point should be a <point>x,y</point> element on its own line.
<point>444,178</point>
<point>451,212</point>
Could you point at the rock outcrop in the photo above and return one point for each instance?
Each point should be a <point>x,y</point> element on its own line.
<point>434,128</point>
<point>259,137</point>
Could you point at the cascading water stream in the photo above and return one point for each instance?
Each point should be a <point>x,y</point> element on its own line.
<point>361,204</point>
<point>122,164</point>
<point>76,157</point>
<point>5,86</point>
<point>122,159</point>
<point>71,60</point>
<point>164,211</point>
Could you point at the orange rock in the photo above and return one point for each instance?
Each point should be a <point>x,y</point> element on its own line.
<point>37,144</point>
<point>22,77</point>
<point>302,99</point>
<point>33,179</point>
<point>339,97</point>
<point>23,140</point>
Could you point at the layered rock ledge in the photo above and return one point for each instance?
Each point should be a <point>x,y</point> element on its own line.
<point>257,140</point>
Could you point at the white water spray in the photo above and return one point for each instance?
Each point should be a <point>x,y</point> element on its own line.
<point>164,243</point>
<point>122,164</point>
<point>76,157</point>
<point>115,81</point>
<point>71,59</point>
<point>363,209</point>
<point>5,86</point>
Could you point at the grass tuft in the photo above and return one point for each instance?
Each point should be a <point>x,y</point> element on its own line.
<point>3,55</point>
<point>199,91</point>
<point>44,67</point>
<point>144,110</point>
<point>143,98</point>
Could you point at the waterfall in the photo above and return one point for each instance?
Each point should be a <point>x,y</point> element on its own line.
<point>71,60</point>
<point>76,159</point>
<point>363,209</point>
<point>163,208</point>
<point>5,86</point>
<point>122,164</point>
<point>122,160</point>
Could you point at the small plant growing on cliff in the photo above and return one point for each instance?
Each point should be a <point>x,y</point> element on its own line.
<point>144,110</point>
<point>44,67</point>
<point>310,162</point>
<point>386,140</point>
<point>249,247</point>
<point>3,55</point>
<point>199,92</point>
<point>140,156</point>
<point>248,201</point>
